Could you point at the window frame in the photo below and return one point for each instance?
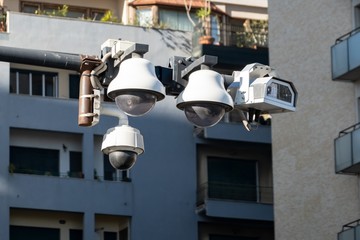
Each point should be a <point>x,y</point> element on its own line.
<point>261,153</point>
<point>87,11</point>
<point>15,163</point>
<point>30,80</point>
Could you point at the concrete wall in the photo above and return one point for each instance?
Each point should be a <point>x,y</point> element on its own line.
<point>311,201</point>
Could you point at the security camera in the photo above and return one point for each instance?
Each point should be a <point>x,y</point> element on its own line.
<point>136,88</point>
<point>257,87</point>
<point>205,99</point>
<point>123,144</point>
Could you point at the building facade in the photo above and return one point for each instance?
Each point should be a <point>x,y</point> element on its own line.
<point>313,44</point>
<point>208,184</point>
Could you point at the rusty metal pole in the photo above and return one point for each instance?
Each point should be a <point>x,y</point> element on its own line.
<point>85,116</point>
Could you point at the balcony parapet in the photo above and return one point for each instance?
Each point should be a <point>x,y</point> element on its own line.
<point>350,231</point>
<point>235,201</point>
<point>235,192</point>
<point>345,60</point>
<point>347,152</point>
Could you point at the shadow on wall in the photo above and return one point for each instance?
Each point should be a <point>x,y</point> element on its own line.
<point>175,40</point>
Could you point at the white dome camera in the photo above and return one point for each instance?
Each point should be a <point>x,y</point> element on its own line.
<point>123,144</point>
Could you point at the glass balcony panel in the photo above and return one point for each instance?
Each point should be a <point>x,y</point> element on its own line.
<point>339,58</point>
<point>347,235</point>
<point>354,49</point>
<point>343,152</point>
<point>345,59</point>
<point>357,232</point>
<point>355,147</point>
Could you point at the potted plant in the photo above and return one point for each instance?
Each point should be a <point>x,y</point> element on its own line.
<point>204,15</point>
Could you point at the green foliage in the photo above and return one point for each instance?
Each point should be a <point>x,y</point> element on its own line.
<point>253,34</point>
<point>12,168</point>
<point>108,17</point>
<point>60,12</point>
<point>2,20</point>
<point>203,13</point>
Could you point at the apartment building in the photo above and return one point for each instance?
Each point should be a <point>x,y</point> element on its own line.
<point>209,184</point>
<point>315,150</point>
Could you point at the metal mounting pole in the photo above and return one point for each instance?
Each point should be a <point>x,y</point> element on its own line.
<point>41,58</point>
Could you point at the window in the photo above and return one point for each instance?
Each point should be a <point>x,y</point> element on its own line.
<point>73,11</point>
<point>358,108</point>
<point>234,179</point>
<point>74,83</point>
<point>76,165</point>
<point>34,83</point>
<point>109,171</point>
<point>123,234</point>
<point>110,236</point>
<point>144,17</point>
<point>38,233</point>
<point>30,7</point>
<point>223,237</point>
<point>357,16</point>
<point>176,20</point>
<point>75,234</point>
<point>34,161</point>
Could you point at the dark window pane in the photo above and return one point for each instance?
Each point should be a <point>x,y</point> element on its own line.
<point>74,81</point>
<point>50,85</point>
<point>232,179</point>
<point>34,160</point>
<point>109,171</point>
<point>223,237</point>
<point>76,14</point>
<point>123,234</point>
<point>76,234</point>
<point>110,236</point>
<point>97,15</point>
<point>24,82</point>
<point>13,84</point>
<point>22,233</point>
<point>30,8</point>
<point>36,79</point>
<point>75,164</point>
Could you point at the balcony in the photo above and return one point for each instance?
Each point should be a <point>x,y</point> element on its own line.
<point>70,194</point>
<point>347,152</point>
<point>350,231</point>
<point>345,60</point>
<point>234,45</point>
<point>235,201</point>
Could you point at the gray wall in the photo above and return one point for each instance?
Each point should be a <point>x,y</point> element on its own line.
<point>311,201</point>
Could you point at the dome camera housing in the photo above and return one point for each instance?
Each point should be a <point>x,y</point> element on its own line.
<point>205,100</point>
<point>136,88</point>
<point>122,160</point>
<point>123,144</point>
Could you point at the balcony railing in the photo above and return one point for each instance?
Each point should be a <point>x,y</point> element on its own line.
<point>347,152</point>
<point>237,192</point>
<point>232,35</point>
<point>350,231</point>
<point>345,60</point>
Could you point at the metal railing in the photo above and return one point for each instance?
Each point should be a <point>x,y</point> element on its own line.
<point>233,35</point>
<point>237,192</point>
<point>347,35</point>
<point>349,129</point>
<point>107,177</point>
